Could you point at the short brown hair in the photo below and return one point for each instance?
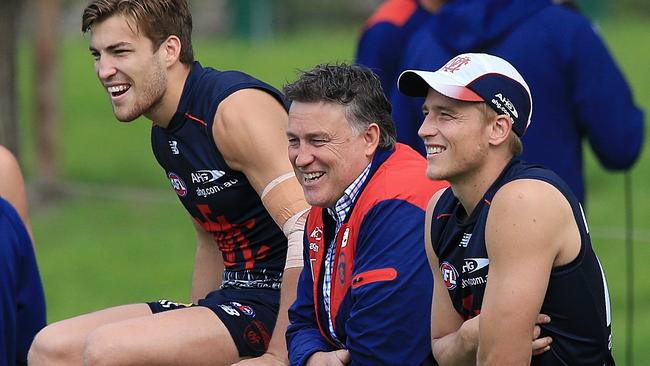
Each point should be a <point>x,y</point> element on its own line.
<point>157,19</point>
<point>354,86</point>
<point>514,142</point>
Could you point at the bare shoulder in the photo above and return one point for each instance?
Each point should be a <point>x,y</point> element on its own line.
<point>12,185</point>
<point>532,215</point>
<point>12,178</point>
<point>249,130</point>
<point>249,101</point>
<point>7,161</point>
<point>530,194</point>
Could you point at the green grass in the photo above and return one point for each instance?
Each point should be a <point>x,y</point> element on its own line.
<point>107,245</point>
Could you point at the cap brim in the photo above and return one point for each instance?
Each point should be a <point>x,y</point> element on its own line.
<point>416,83</point>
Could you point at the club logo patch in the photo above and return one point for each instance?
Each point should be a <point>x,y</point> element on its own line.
<point>456,63</point>
<point>317,233</point>
<point>244,309</point>
<point>177,184</point>
<point>449,275</point>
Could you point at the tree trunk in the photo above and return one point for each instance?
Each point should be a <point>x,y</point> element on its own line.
<point>46,96</point>
<point>9,133</point>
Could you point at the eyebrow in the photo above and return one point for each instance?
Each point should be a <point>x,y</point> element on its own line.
<point>111,47</point>
<point>309,135</point>
<point>439,107</point>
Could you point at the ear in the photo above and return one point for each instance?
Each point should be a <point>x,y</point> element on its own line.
<point>171,50</point>
<point>500,128</point>
<point>371,137</point>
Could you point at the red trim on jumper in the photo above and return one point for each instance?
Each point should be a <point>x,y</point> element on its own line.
<point>442,215</point>
<point>396,12</point>
<point>195,119</point>
<point>375,275</point>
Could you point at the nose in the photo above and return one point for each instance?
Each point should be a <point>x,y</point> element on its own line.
<point>428,127</point>
<point>104,68</point>
<point>301,155</point>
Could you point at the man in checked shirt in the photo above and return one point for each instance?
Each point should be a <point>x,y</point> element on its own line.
<point>361,295</point>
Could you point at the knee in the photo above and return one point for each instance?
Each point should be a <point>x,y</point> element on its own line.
<point>101,348</point>
<point>54,346</point>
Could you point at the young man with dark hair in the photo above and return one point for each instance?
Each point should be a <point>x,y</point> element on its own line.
<point>219,136</point>
<point>508,242</point>
<point>363,295</point>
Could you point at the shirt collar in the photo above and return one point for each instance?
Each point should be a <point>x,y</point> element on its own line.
<point>350,194</point>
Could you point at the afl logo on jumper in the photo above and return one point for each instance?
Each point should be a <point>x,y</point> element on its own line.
<point>177,183</point>
<point>449,275</point>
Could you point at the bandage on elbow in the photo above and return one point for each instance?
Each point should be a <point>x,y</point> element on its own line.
<point>284,200</point>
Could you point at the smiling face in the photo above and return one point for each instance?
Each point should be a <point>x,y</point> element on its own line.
<point>456,137</point>
<point>131,71</point>
<point>326,154</point>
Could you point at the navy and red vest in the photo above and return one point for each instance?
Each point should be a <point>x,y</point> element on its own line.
<point>577,299</point>
<point>221,199</point>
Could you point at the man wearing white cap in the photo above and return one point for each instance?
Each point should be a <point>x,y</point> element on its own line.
<point>546,302</point>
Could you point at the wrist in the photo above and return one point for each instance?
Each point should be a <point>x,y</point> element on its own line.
<point>281,357</point>
<point>468,334</point>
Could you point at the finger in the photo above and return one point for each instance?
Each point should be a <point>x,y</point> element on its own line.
<point>540,351</point>
<point>343,355</point>
<point>541,345</point>
<point>536,331</point>
<point>543,319</point>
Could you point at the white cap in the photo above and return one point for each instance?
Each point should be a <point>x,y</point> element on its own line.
<point>476,77</point>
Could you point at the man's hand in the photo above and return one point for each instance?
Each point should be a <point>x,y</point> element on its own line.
<point>469,332</point>
<point>339,357</point>
<point>541,345</point>
<point>266,359</point>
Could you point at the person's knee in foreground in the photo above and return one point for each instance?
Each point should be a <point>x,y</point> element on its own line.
<point>516,281</point>
<point>22,301</point>
<point>364,292</point>
<point>219,137</point>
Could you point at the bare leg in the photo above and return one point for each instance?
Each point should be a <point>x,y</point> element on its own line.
<point>62,343</point>
<point>191,336</point>
<point>131,335</point>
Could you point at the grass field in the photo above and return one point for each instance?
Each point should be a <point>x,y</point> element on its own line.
<point>120,236</point>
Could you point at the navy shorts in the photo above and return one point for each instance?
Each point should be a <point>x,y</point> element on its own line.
<point>248,314</point>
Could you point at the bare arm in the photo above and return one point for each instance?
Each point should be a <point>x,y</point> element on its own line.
<point>453,341</point>
<point>530,229</point>
<point>12,186</point>
<point>249,129</point>
<point>208,265</point>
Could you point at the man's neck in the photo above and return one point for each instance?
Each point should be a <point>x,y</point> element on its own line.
<point>472,186</point>
<point>162,113</point>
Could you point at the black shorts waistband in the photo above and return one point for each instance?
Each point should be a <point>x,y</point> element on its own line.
<point>252,279</point>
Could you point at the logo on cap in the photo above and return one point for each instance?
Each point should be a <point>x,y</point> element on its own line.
<point>506,104</point>
<point>456,63</point>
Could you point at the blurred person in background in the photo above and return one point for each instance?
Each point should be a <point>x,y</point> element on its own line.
<point>22,302</point>
<point>219,137</point>
<point>579,90</point>
<point>386,32</point>
<point>365,289</point>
